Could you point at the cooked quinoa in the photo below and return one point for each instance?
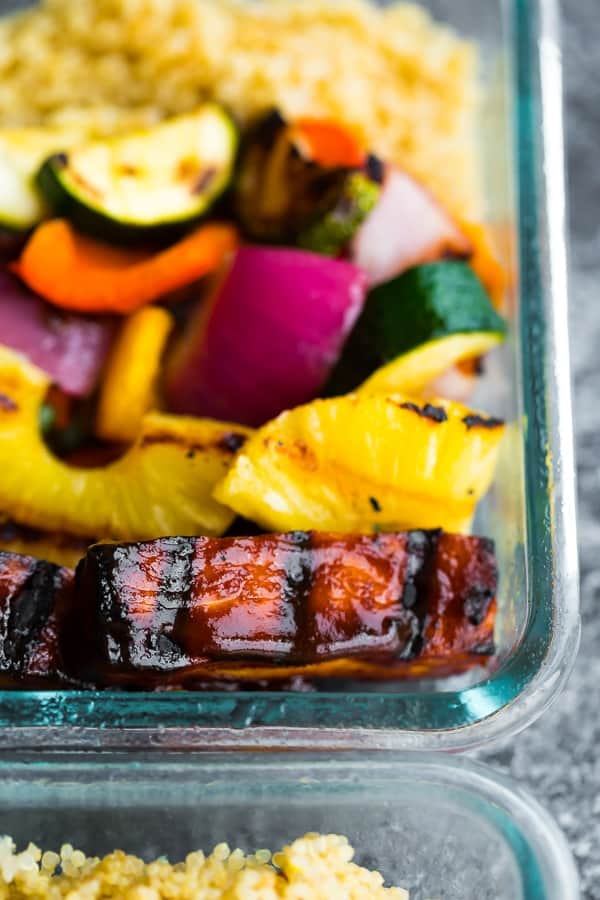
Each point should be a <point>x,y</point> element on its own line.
<point>315,867</point>
<point>406,84</point>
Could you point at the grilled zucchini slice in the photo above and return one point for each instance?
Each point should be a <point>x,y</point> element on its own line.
<point>415,327</point>
<point>22,151</point>
<point>151,183</point>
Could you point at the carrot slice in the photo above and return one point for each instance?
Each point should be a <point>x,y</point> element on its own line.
<point>75,272</point>
<point>328,143</point>
<point>485,263</point>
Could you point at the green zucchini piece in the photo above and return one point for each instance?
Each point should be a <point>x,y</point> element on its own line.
<point>151,183</point>
<point>335,228</point>
<point>410,329</point>
<point>22,151</point>
<point>20,204</point>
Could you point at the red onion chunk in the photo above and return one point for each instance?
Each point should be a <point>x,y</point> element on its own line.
<point>72,349</point>
<point>272,334</point>
<point>408,227</point>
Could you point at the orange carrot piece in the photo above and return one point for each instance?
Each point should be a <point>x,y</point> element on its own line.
<point>75,272</point>
<point>328,143</point>
<point>485,263</point>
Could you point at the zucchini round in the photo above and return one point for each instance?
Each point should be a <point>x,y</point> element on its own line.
<point>415,327</point>
<point>414,371</point>
<point>152,183</point>
<point>20,204</point>
<point>22,151</point>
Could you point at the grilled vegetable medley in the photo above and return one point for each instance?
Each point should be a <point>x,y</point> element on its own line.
<point>237,356</point>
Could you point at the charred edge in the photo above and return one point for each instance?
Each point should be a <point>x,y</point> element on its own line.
<point>204,181</point>
<point>477,603</point>
<point>7,403</point>
<point>94,580</point>
<point>297,586</point>
<point>428,411</point>
<point>268,126</point>
<point>475,421</point>
<point>421,549</point>
<point>78,178</point>
<point>29,614</point>
<point>374,168</point>
<point>450,254</point>
<point>162,650</point>
<point>230,443</point>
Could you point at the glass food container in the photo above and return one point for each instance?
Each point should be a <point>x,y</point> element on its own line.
<point>530,511</point>
<point>443,828</point>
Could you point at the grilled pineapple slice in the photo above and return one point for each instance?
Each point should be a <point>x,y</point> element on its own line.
<point>364,463</point>
<point>161,486</point>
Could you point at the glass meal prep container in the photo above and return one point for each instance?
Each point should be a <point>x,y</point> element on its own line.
<point>439,827</point>
<point>530,511</point>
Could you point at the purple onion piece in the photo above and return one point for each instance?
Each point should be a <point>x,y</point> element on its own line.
<point>71,348</point>
<point>274,332</point>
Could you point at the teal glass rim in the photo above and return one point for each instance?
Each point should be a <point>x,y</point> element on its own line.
<point>527,682</point>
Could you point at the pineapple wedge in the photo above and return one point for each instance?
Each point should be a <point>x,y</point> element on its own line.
<point>161,486</point>
<point>363,463</point>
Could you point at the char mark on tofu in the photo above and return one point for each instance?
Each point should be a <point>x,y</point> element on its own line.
<point>35,599</point>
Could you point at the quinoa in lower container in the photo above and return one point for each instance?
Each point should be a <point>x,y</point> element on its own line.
<point>315,867</point>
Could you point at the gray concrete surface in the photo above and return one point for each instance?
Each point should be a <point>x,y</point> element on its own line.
<point>558,758</point>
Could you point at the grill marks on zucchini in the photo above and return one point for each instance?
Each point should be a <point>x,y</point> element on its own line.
<point>150,183</point>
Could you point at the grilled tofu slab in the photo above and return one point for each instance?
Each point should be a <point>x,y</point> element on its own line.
<point>279,606</point>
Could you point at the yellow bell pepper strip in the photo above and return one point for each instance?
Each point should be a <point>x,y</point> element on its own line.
<point>162,485</point>
<point>128,389</point>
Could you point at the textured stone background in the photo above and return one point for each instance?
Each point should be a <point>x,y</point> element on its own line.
<point>559,757</point>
